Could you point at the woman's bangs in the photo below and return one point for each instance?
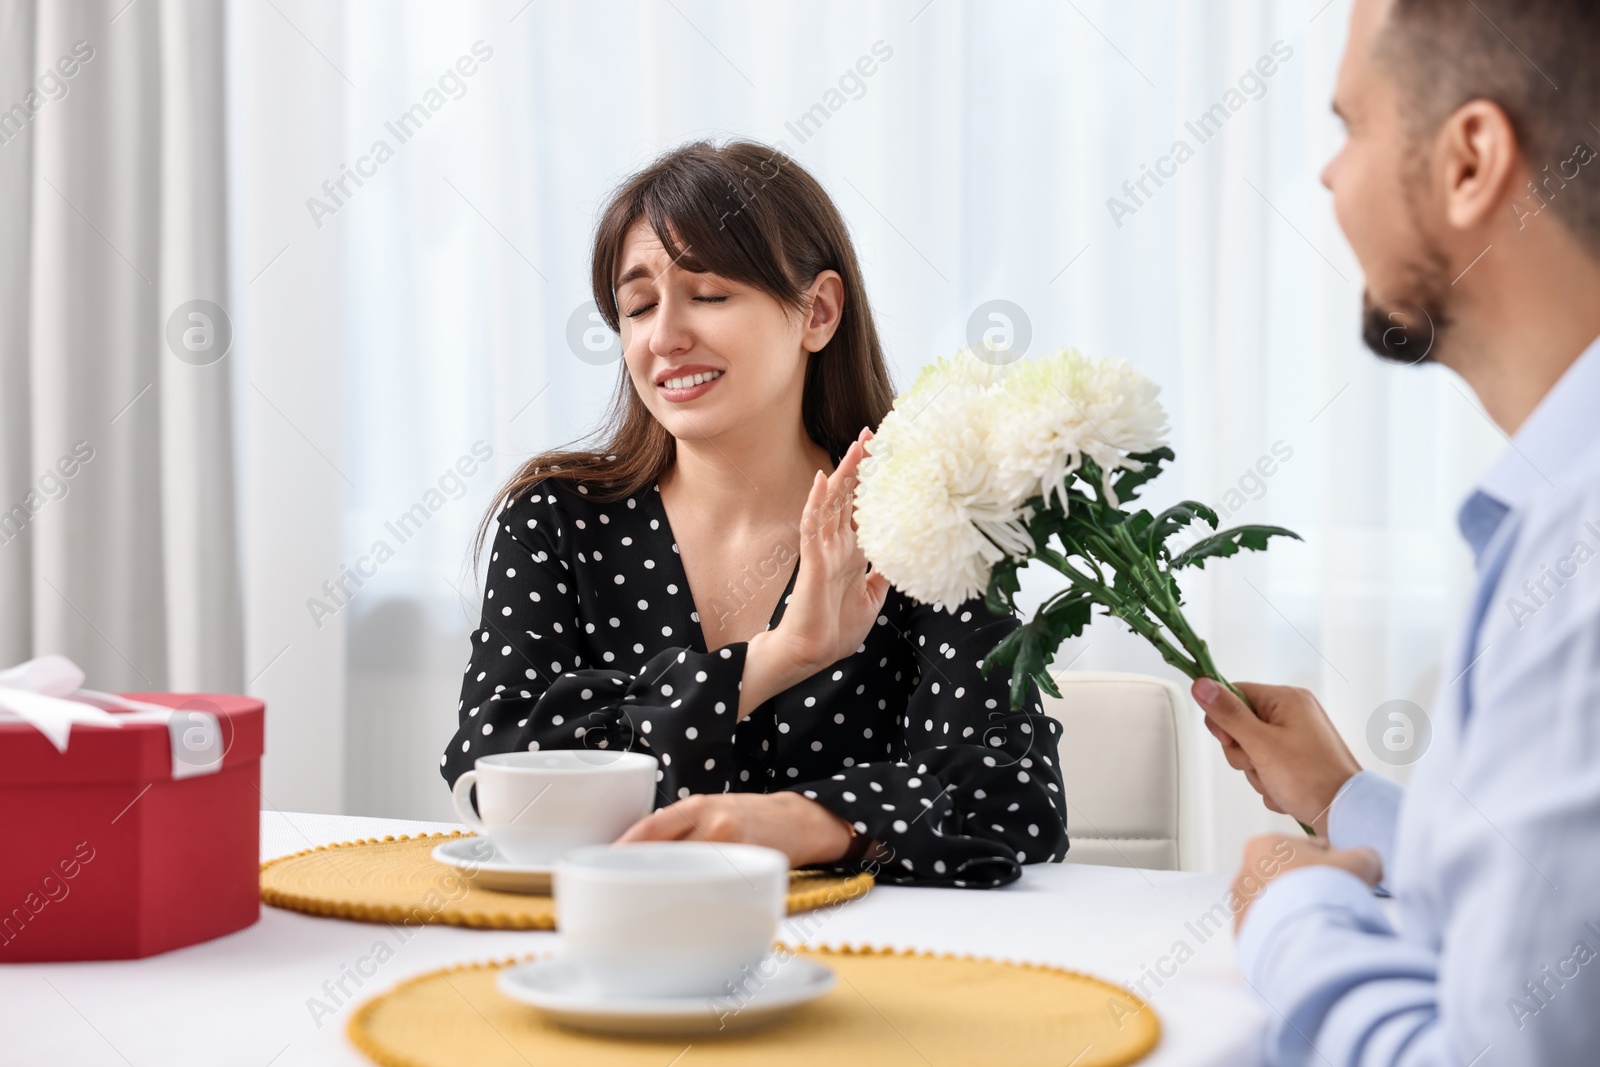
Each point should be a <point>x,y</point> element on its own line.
<point>706,228</point>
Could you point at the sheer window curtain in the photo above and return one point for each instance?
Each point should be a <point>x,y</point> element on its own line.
<point>406,315</point>
<point>117,521</point>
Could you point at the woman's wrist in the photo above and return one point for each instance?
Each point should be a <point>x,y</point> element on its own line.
<point>769,669</point>
<point>827,837</point>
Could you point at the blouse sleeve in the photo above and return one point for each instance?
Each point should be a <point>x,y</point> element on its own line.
<point>979,791</point>
<point>527,685</point>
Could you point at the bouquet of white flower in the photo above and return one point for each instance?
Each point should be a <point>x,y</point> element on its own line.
<point>980,468</point>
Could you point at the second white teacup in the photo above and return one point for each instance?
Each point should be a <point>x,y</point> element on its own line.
<point>668,918</point>
<point>536,806</point>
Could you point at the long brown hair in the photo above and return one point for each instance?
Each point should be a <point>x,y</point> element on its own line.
<point>749,213</point>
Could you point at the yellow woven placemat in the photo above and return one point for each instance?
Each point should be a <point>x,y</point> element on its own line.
<point>888,1009</point>
<point>396,880</point>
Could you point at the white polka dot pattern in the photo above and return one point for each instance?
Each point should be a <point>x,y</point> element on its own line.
<point>590,638</point>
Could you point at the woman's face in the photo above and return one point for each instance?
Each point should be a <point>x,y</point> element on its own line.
<point>708,355</point>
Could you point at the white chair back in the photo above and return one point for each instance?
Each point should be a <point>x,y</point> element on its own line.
<point>1126,769</point>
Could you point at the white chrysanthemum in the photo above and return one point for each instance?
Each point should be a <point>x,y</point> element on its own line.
<point>942,495</point>
<point>928,494</point>
<point>1055,410</point>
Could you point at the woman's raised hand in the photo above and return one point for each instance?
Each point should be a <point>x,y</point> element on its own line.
<point>836,598</point>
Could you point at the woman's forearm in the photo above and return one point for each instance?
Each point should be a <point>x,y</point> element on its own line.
<point>769,669</point>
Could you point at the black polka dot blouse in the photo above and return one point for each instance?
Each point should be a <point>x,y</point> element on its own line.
<point>590,638</point>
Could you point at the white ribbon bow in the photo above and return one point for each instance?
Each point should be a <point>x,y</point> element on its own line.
<point>47,694</point>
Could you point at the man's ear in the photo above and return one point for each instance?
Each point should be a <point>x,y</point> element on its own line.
<point>825,303</point>
<point>1479,160</point>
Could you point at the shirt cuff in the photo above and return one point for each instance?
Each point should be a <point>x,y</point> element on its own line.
<point>1293,896</point>
<point>1365,812</point>
<point>905,812</point>
<point>682,708</point>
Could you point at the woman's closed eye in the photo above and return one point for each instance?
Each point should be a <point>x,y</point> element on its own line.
<point>636,312</point>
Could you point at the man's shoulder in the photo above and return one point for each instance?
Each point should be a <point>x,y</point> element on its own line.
<point>1565,518</point>
<point>1550,587</point>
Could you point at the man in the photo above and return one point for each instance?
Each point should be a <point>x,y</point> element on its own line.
<point>1469,190</point>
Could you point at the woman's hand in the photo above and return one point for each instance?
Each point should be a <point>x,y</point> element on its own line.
<point>803,829</point>
<point>835,598</point>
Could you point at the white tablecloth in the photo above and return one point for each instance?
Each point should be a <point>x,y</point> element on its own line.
<point>251,999</point>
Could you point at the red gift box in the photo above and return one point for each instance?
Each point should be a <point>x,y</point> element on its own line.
<point>109,856</point>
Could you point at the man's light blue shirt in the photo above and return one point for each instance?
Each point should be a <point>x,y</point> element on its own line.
<point>1492,852</point>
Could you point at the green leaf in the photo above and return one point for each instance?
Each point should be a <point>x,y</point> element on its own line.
<point>1044,522</point>
<point>1068,617</point>
<point>1089,474</point>
<point>999,598</point>
<point>1028,648</point>
<point>1228,543</point>
<point>1126,484</point>
<point>1099,516</point>
<point>1003,654</point>
<point>1172,587</point>
<point>1027,664</point>
<point>1019,690</point>
<point>1180,515</point>
<point>1062,618</point>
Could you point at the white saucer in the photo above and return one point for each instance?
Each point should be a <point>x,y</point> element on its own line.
<point>478,860</point>
<point>553,986</point>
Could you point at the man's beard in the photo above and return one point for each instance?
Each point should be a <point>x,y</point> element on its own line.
<point>1408,325</point>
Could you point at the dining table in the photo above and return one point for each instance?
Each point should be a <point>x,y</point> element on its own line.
<point>280,992</point>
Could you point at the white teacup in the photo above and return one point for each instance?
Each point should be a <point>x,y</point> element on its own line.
<point>535,806</point>
<point>668,918</point>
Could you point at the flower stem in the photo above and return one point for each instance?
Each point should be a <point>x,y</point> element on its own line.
<point>1132,614</point>
<point>1156,596</point>
<point>1141,593</point>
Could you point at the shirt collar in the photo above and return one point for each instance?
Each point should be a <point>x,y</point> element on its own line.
<point>1542,454</point>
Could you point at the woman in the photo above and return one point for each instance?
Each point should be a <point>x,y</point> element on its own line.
<point>646,595</point>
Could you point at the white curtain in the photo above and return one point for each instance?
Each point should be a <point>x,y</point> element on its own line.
<point>403,312</point>
<point>118,543</point>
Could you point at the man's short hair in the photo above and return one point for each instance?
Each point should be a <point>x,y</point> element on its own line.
<point>1539,60</point>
